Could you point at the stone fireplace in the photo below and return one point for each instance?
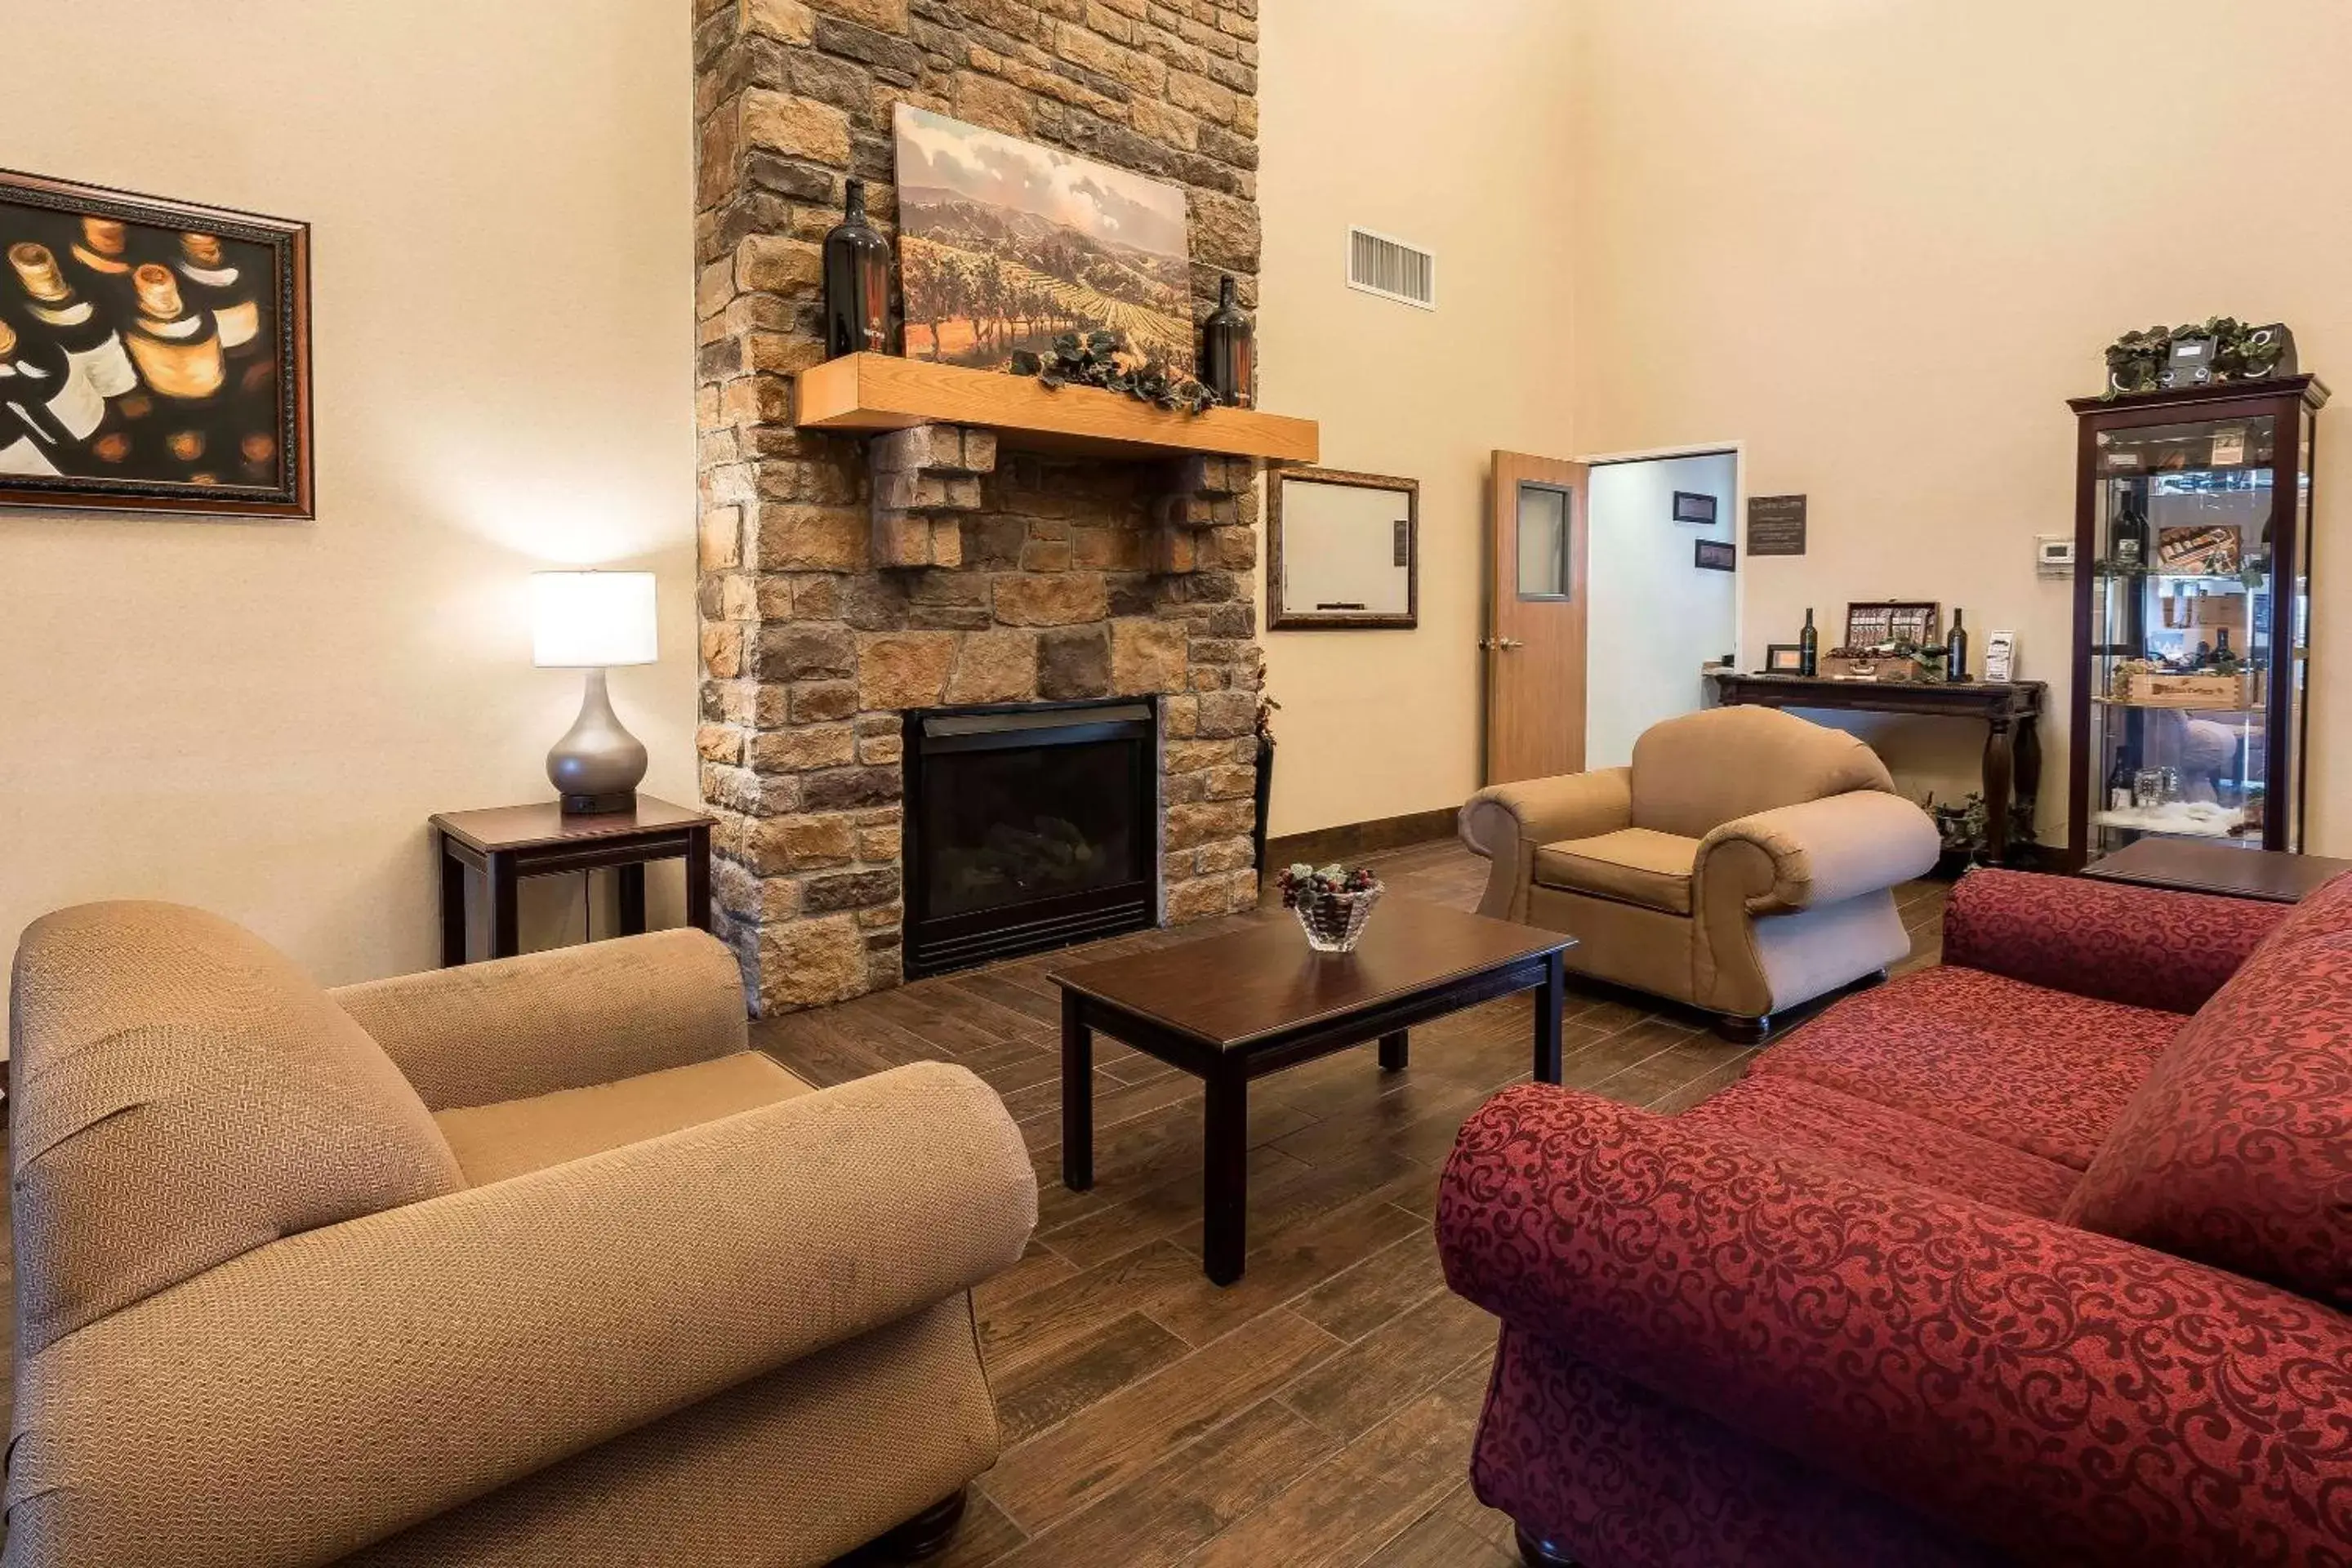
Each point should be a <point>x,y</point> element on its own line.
<point>848,582</point>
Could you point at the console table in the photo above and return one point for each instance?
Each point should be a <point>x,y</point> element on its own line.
<point>2012,712</point>
<point>505,844</point>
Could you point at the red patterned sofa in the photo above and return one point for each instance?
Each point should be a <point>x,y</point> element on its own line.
<point>2005,1262</point>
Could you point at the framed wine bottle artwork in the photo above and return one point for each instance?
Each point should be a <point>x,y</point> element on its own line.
<point>154,354</point>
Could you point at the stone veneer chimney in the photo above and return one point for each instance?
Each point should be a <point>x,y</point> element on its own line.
<point>981,576</point>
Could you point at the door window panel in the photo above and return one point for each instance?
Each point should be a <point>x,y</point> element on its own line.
<point>1545,513</point>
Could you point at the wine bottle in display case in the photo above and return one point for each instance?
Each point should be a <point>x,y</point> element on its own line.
<point>48,407</point>
<point>1808,648</point>
<point>2119,785</point>
<point>1955,650</point>
<point>856,281</point>
<point>177,351</point>
<point>210,282</point>
<point>2130,551</point>
<point>89,339</point>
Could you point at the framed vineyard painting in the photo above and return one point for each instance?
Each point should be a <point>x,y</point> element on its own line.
<point>154,355</point>
<point>1004,245</point>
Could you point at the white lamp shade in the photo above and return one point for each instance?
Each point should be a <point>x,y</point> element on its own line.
<point>584,620</point>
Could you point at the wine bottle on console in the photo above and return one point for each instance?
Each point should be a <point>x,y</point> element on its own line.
<point>177,351</point>
<point>1808,648</point>
<point>89,339</point>
<point>210,281</point>
<point>46,404</point>
<point>1955,650</point>
<point>856,282</point>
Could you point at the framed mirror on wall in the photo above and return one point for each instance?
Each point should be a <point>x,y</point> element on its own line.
<point>1343,551</point>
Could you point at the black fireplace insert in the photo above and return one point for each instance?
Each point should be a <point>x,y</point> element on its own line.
<point>1028,828</point>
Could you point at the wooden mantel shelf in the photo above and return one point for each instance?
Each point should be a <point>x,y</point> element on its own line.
<point>884,392</point>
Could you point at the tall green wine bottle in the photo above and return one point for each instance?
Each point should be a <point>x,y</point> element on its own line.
<point>1808,648</point>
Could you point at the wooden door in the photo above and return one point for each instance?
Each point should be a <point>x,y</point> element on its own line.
<point>1535,619</point>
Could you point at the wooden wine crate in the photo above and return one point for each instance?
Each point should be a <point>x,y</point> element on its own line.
<point>1887,667</point>
<point>2140,687</point>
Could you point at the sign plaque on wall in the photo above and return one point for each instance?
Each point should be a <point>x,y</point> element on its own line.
<point>1776,525</point>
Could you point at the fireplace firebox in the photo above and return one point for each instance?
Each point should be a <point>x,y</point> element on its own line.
<point>1028,828</point>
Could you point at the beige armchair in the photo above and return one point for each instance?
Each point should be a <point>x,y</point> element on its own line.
<point>533,1262</point>
<point>1743,864</point>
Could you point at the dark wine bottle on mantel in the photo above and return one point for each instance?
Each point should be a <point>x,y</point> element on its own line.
<point>856,281</point>
<point>1955,650</point>
<point>1229,348</point>
<point>1808,648</point>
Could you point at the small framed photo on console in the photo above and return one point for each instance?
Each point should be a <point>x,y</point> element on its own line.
<point>1784,658</point>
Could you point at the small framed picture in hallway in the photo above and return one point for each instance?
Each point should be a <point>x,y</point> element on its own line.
<point>1715,556</point>
<point>1693,508</point>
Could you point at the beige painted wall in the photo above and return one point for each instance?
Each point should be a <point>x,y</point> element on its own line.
<point>257,717</point>
<point>1882,242</point>
<point>1444,126</point>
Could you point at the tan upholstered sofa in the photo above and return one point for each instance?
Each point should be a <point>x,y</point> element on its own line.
<point>1742,863</point>
<point>527,1263</point>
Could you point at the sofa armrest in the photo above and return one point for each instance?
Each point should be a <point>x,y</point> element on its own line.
<point>1507,824</point>
<point>330,1389</point>
<point>2146,946</point>
<point>517,1028</point>
<point>1820,851</point>
<point>1499,818</point>
<point>2063,1396</point>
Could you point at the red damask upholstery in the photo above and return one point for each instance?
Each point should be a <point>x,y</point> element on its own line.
<point>2144,946</point>
<point>1624,1475</point>
<point>2061,1396</point>
<point>1868,1306</point>
<point>2006,1061</point>
<point>1831,1126</point>
<point>2238,1151</point>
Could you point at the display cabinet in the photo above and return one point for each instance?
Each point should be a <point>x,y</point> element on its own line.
<point>2193,615</point>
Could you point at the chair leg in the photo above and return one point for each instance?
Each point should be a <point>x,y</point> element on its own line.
<point>1537,1553</point>
<point>927,1534</point>
<point>1743,1031</point>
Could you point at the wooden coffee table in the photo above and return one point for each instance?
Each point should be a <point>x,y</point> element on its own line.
<point>2189,865</point>
<point>1231,1008</point>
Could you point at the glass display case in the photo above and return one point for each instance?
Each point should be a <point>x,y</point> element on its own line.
<point>2193,615</point>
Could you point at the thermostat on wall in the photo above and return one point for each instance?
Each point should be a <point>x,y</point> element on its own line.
<point>2053,554</point>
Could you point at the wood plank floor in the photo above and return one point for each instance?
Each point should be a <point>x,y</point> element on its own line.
<point>1320,1411</point>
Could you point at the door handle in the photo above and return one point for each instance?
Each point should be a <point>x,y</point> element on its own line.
<point>1509,643</point>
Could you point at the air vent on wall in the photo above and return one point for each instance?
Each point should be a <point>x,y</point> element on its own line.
<point>1391,268</point>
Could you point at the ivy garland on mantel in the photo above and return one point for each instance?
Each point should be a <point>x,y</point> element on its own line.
<point>1104,359</point>
<point>2133,359</point>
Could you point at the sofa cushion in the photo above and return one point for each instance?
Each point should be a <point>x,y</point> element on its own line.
<point>517,1136</point>
<point>2237,1151</point>
<point>2035,1069</point>
<point>1637,865</point>
<point>184,1094</point>
<point>1786,1110</point>
<point>1694,773</point>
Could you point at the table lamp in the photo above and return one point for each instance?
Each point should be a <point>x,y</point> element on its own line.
<point>591,621</point>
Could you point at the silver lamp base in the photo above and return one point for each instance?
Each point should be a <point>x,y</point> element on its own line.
<point>598,764</point>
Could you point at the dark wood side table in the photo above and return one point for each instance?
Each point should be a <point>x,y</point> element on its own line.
<point>1228,1009</point>
<point>2190,865</point>
<point>505,844</point>
<point>2012,711</point>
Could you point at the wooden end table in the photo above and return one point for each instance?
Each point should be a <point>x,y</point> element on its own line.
<point>2188,866</point>
<point>1228,1009</point>
<point>505,844</point>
